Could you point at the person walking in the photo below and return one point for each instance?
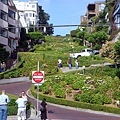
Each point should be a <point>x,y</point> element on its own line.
<point>43,109</point>
<point>76,63</point>
<point>24,96</point>
<point>4,100</point>
<point>60,63</point>
<point>4,66</point>
<point>21,107</point>
<point>69,63</point>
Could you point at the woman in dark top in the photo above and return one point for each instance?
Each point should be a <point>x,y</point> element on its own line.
<point>43,110</point>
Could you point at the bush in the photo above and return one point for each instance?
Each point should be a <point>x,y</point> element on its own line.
<point>107,100</point>
<point>116,95</point>
<point>12,110</point>
<point>77,97</point>
<point>84,97</point>
<point>12,102</point>
<point>60,93</point>
<point>97,99</point>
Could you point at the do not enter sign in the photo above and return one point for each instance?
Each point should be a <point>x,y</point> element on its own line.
<point>38,77</point>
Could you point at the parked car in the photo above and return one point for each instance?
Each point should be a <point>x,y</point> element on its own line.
<point>84,52</point>
<point>96,52</point>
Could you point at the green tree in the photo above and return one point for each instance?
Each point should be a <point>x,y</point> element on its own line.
<point>117,49</point>
<point>43,21</point>
<point>36,35</point>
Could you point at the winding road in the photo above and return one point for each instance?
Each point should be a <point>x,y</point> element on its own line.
<point>59,113</point>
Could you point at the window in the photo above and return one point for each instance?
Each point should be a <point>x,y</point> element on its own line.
<point>26,14</point>
<point>30,14</point>
<point>33,6</point>
<point>30,22</point>
<point>5,1</point>
<point>11,28</point>
<point>3,32</point>
<point>3,15</point>
<point>11,14</point>
<point>33,15</point>
<point>9,42</point>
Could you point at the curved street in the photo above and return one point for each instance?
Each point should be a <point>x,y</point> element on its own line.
<point>60,112</point>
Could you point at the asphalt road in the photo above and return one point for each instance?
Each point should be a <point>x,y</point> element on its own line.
<point>60,113</point>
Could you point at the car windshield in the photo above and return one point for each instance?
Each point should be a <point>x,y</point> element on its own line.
<point>89,50</point>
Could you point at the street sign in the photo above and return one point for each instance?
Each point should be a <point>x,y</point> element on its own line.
<point>38,77</point>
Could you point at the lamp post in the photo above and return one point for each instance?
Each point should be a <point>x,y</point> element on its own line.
<point>83,67</point>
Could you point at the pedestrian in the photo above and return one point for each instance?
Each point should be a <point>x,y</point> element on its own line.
<point>76,63</point>
<point>4,100</point>
<point>43,109</point>
<point>60,63</point>
<point>24,96</point>
<point>21,102</point>
<point>4,66</point>
<point>69,63</point>
<point>1,67</point>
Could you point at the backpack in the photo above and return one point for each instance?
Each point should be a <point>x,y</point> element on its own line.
<point>42,109</point>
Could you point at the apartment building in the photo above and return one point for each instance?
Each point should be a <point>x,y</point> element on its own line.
<point>93,9</point>
<point>9,25</point>
<point>29,13</point>
<point>116,15</point>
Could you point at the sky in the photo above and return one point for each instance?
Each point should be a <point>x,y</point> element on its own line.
<point>65,12</point>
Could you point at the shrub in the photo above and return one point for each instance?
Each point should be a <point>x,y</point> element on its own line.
<point>97,99</point>
<point>78,85</point>
<point>107,100</point>
<point>12,110</point>
<point>77,97</point>
<point>116,95</point>
<point>60,93</point>
<point>12,102</point>
<point>85,97</point>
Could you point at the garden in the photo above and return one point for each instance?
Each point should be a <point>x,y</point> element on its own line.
<point>99,86</point>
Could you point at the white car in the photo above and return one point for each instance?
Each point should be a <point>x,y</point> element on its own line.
<point>84,52</point>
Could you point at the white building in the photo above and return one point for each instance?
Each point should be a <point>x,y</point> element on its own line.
<point>116,15</point>
<point>9,25</point>
<point>28,11</point>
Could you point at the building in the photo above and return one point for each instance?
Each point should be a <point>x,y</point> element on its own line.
<point>29,13</point>
<point>93,9</point>
<point>116,15</point>
<point>9,25</point>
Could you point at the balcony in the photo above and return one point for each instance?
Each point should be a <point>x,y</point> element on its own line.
<point>3,40</point>
<point>117,11</point>
<point>3,24</point>
<point>11,35</point>
<point>11,21</point>
<point>4,7</point>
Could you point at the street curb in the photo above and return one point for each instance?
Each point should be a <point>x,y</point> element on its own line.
<point>14,80</point>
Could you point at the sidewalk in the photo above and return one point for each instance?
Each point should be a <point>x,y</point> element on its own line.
<point>32,116</point>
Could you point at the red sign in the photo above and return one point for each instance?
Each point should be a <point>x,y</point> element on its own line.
<point>37,76</point>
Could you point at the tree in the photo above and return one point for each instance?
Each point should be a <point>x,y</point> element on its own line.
<point>117,48</point>
<point>108,50</point>
<point>43,21</point>
<point>36,36</point>
<point>23,34</point>
<point>82,34</point>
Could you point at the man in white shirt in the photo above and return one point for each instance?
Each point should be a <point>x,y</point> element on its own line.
<point>21,107</point>
<point>4,100</point>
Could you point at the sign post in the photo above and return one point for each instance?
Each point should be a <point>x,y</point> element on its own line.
<point>38,78</point>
